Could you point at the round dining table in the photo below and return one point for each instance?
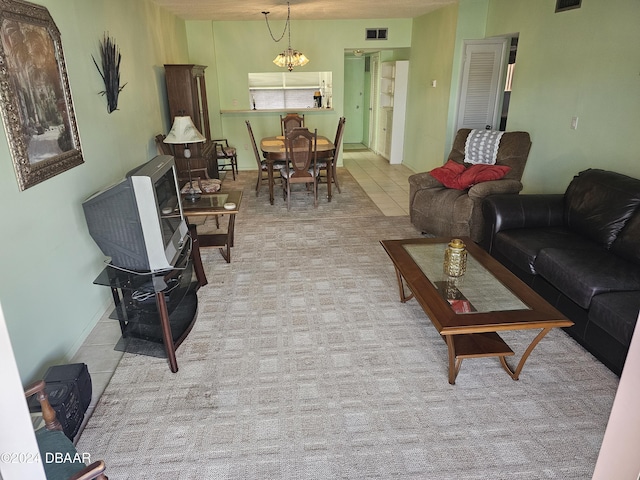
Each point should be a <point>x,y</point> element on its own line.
<point>273,150</point>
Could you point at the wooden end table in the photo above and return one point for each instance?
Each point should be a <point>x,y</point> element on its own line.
<point>213,204</point>
<point>469,311</point>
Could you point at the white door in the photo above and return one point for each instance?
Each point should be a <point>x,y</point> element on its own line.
<point>373,102</point>
<point>353,97</point>
<point>482,83</point>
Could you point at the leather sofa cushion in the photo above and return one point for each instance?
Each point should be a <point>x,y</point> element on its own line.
<point>616,313</point>
<point>581,275</point>
<point>598,204</point>
<point>521,246</point>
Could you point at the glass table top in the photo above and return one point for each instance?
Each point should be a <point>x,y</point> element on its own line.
<point>478,290</point>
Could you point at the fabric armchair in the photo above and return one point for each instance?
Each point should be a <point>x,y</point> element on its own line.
<point>448,212</point>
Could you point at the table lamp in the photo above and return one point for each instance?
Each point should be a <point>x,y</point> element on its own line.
<point>185,132</point>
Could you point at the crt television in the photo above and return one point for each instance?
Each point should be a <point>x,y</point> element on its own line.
<point>139,222</point>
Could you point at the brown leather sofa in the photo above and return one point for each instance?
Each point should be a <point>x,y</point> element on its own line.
<point>581,251</point>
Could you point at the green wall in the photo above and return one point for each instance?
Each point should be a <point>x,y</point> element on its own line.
<point>582,62</point>
<point>48,259</point>
<point>242,47</point>
<point>432,48</point>
<point>585,63</point>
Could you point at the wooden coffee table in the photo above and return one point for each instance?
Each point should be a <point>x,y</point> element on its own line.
<point>210,204</point>
<point>469,311</point>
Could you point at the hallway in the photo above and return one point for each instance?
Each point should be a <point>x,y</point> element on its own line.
<point>387,185</point>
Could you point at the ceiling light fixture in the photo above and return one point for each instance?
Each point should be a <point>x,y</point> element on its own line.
<point>289,58</point>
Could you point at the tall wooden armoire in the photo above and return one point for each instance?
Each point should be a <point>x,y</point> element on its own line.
<point>187,95</point>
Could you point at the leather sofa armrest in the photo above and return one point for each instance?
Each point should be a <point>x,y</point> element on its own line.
<point>495,187</point>
<point>504,212</point>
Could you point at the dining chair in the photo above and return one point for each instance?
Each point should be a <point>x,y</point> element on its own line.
<point>263,165</point>
<point>198,173</point>
<point>301,166</point>
<point>290,121</point>
<point>333,159</point>
<point>226,155</point>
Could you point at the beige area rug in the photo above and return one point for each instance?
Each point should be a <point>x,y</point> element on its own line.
<point>303,364</point>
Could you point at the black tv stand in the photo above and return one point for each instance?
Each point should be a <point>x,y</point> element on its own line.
<point>157,310</point>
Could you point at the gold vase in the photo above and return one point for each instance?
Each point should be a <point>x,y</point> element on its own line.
<point>455,258</point>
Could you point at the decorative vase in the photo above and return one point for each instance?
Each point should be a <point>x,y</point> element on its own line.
<point>455,258</point>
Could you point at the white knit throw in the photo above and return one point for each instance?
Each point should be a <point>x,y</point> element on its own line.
<point>482,146</point>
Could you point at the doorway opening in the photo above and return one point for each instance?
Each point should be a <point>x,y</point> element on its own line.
<point>513,49</point>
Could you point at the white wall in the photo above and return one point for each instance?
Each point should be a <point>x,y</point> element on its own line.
<point>619,457</point>
<point>15,418</point>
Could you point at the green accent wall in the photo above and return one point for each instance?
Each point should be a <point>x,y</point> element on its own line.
<point>582,62</point>
<point>585,63</point>
<point>48,259</point>
<point>432,48</point>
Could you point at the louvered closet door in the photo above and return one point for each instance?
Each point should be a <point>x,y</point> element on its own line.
<point>482,83</point>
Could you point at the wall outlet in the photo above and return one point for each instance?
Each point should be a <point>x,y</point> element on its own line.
<point>574,123</point>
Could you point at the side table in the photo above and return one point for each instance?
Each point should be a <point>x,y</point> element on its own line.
<point>211,204</point>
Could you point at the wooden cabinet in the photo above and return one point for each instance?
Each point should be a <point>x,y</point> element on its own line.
<point>187,95</point>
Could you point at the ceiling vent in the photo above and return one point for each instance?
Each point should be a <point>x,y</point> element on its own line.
<point>376,34</point>
<point>563,5</point>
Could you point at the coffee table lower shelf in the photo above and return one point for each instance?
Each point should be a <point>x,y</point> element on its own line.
<point>474,345</point>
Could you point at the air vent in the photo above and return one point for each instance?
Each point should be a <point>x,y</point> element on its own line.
<point>376,34</point>
<point>563,5</point>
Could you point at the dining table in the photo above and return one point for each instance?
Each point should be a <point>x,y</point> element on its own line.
<point>273,150</point>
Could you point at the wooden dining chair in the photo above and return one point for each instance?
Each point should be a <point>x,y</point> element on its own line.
<point>301,166</point>
<point>263,166</point>
<point>290,121</point>
<point>226,156</point>
<point>333,159</point>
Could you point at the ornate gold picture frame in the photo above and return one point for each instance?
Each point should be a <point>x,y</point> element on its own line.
<point>35,98</point>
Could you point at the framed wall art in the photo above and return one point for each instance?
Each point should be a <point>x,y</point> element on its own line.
<point>35,98</point>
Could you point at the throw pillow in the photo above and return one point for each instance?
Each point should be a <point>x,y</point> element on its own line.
<point>481,173</point>
<point>448,173</point>
<point>455,175</point>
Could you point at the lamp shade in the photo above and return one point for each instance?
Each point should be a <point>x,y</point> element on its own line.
<point>184,131</point>
<point>291,58</point>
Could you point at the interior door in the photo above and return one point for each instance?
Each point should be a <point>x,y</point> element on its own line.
<point>353,99</point>
<point>482,83</point>
<point>374,102</point>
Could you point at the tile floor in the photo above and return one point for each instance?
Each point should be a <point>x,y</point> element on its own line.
<point>385,184</point>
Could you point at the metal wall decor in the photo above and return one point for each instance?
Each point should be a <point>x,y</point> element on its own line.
<point>110,73</point>
<point>35,98</point>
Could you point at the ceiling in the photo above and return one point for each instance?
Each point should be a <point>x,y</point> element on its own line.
<point>224,10</point>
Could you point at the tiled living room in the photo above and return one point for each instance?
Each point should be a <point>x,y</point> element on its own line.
<point>303,362</point>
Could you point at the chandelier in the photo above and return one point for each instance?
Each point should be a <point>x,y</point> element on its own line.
<point>289,58</point>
